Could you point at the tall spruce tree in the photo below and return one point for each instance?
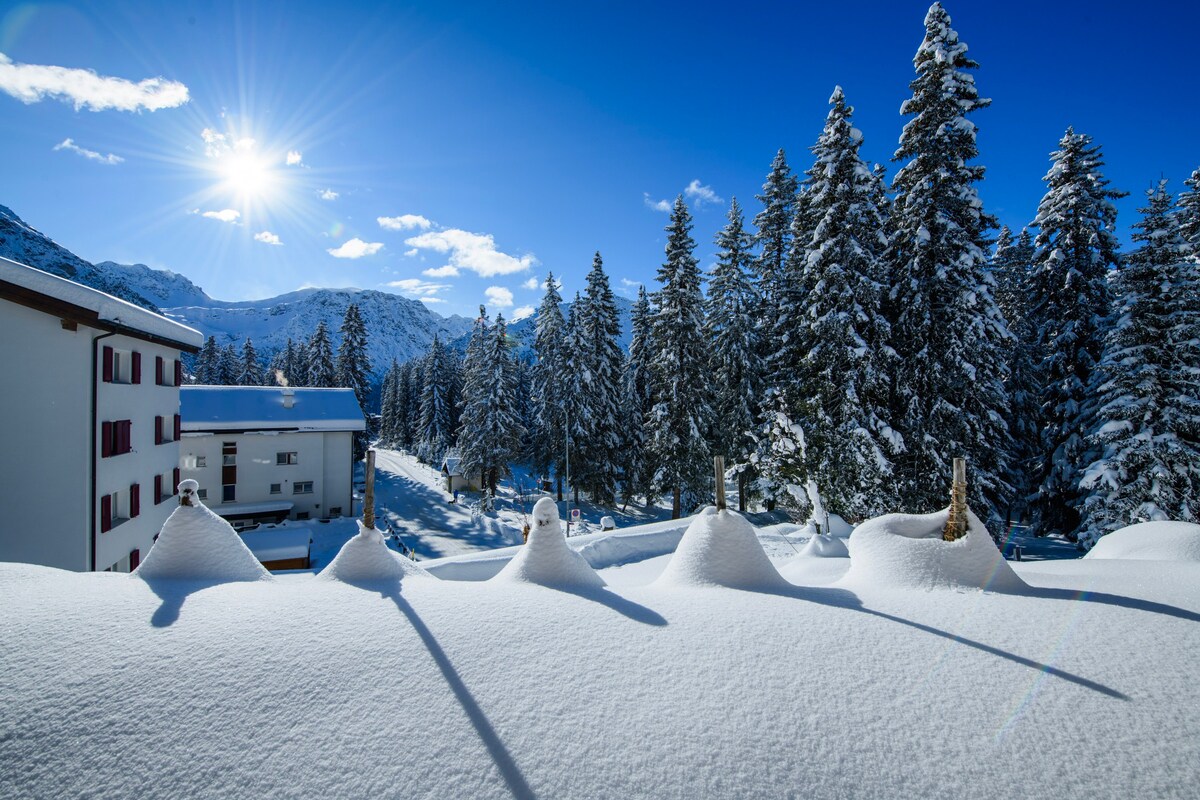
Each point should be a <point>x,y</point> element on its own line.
<point>250,372</point>
<point>1146,433</point>
<point>732,310</point>
<point>283,366</point>
<point>300,364</point>
<point>549,385</point>
<point>774,225</point>
<point>434,434</point>
<point>1076,249</point>
<point>638,478</point>
<point>576,410</point>
<point>389,411</point>
<point>230,366</point>
<point>207,369</point>
<point>841,336</point>
<point>490,434</point>
<point>320,359</point>
<point>948,392</point>
<point>353,368</point>
<point>600,356</point>
<point>681,412</point>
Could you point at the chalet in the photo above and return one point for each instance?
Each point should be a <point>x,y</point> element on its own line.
<point>90,402</point>
<point>270,453</point>
<point>452,473</point>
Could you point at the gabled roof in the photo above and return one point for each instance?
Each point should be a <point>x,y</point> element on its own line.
<point>33,287</point>
<point>247,408</point>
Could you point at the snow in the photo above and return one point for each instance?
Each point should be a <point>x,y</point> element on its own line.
<point>197,545</point>
<point>366,560</point>
<point>1151,541</point>
<point>278,544</point>
<point>720,548</point>
<point>907,550</point>
<point>215,408</point>
<point>546,559</point>
<point>825,546</point>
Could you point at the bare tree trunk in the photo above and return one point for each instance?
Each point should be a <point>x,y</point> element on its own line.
<point>676,503</point>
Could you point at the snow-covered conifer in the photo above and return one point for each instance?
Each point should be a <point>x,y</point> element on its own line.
<point>638,478</point>
<point>320,359</point>
<point>353,369</point>
<point>251,371</point>
<point>490,434</point>
<point>434,434</point>
<point>207,369</point>
<point>1188,215</point>
<point>600,355</point>
<point>774,225</point>
<point>549,385</point>
<point>230,366</point>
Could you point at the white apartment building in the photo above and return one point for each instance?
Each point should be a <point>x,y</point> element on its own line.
<point>266,453</point>
<point>90,400</point>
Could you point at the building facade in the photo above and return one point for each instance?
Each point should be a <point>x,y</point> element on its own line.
<point>266,453</point>
<point>91,399</point>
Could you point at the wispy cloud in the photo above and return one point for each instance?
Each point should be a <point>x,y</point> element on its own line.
<point>328,194</point>
<point>92,155</point>
<point>266,237</point>
<point>499,297</point>
<point>355,248</point>
<point>224,215</point>
<point>431,299</point>
<point>699,195</point>
<point>532,283</point>
<point>422,290</point>
<point>83,88</point>
<point>521,313</point>
<point>404,222</point>
<point>294,158</point>
<point>472,251</point>
<point>410,253</point>
<point>218,144</point>
<point>655,205</point>
<point>441,272</point>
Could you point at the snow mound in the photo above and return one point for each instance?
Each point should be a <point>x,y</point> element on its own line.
<point>196,544</point>
<point>366,559</point>
<point>720,548</point>
<point>546,559</point>
<point>825,546</point>
<point>1151,541</point>
<point>907,551</point>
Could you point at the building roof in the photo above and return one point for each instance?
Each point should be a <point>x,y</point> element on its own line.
<point>278,544</point>
<point>249,408</point>
<point>95,305</point>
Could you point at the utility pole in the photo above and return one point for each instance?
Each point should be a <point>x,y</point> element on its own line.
<point>567,461</point>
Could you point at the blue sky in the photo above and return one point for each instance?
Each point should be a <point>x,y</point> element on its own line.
<point>501,140</point>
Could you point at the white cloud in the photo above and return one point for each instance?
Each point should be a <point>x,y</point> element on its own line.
<point>532,283</point>
<point>423,290</point>
<point>356,248</point>
<point>521,313</point>
<point>69,144</point>
<point>473,251</point>
<point>294,158</point>
<point>83,88</point>
<point>224,215</point>
<point>404,222</point>
<point>630,284</point>
<point>266,237</point>
<point>499,297</point>
<point>655,205</point>
<point>411,253</point>
<point>441,272</point>
<point>217,144</point>
<point>328,194</point>
<point>701,194</point>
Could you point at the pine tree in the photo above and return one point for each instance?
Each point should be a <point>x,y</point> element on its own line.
<point>600,356</point>
<point>207,369</point>
<point>250,372</point>
<point>230,366</point>
<point>353,368</point>
<point>434,433</point>
<point>774,224</point>
<point>731,309</point>
<point>490,434</point>
<point>416,389</point>
<point>575,409</point>
<point>1188,215</point>
<point>549,385</point>
<point>319,370</point>
<point>389,410</point>
<point>841,337</point>
<point>639,466</point>
<point>948,391</point>
<point>282,368</point>
<point>300,363</point>
<point>1147,428</point>
<point>1076,248</point>
<point>681,412</point>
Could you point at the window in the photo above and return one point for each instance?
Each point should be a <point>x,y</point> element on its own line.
<point>115,438</point>
<point>336,511</point>
<point>229,454</point>
<point>302,515</point>
<point>286,459</point>
<point>201,462</point>
<point>276,488</point>
<point>229,494</point>
<point>202,494</point>
<point>113,511</point>
<point>121,366</point>
<point>302,487</point>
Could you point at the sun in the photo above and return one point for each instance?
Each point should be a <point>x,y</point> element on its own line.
<point>246,174</point>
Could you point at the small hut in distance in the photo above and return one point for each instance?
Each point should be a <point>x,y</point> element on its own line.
<point>452,473</point>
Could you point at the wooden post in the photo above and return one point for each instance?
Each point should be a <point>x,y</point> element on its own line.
<point>719,470</point>
<point>956,525</point>
<point>369,495</point>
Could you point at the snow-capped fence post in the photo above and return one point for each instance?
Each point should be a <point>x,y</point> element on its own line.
<point>719,471</point>
<point>369,494</point>
<point>956,524</point>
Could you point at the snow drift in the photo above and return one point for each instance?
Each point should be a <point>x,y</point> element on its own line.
<point>825,546</point>
<point>1151,541</point>
<point>196,544</point>
<point>546,559</point>
<point>721,549</point>
<point>907,551</point>
<point>366,559</point>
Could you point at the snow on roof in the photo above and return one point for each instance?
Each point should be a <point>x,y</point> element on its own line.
<point>450,466</point>
<point>265,507</point>
<point>1151,541</point>
<point>365,559</point>
<point>223,408</point>
<point>546,559</point>
<point>720,548</point>
<point>278,544</point>
<point>108,308</point>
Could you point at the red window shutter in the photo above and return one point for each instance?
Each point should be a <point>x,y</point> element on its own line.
<point>175,481</point>
<point>135,500</point>
<point>158,495</point>
<point>135,558</point>
<point>178,427</point>
<point>158,370</point>
<point>178,372</point>
<point>126,436</point>
<point>135,368</point>
<point>108,364</point>
<point>106,439</point>
<point>106,513</point>
<point>158,435</point>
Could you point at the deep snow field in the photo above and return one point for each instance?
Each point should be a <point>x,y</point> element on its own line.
<point>886,674</point>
